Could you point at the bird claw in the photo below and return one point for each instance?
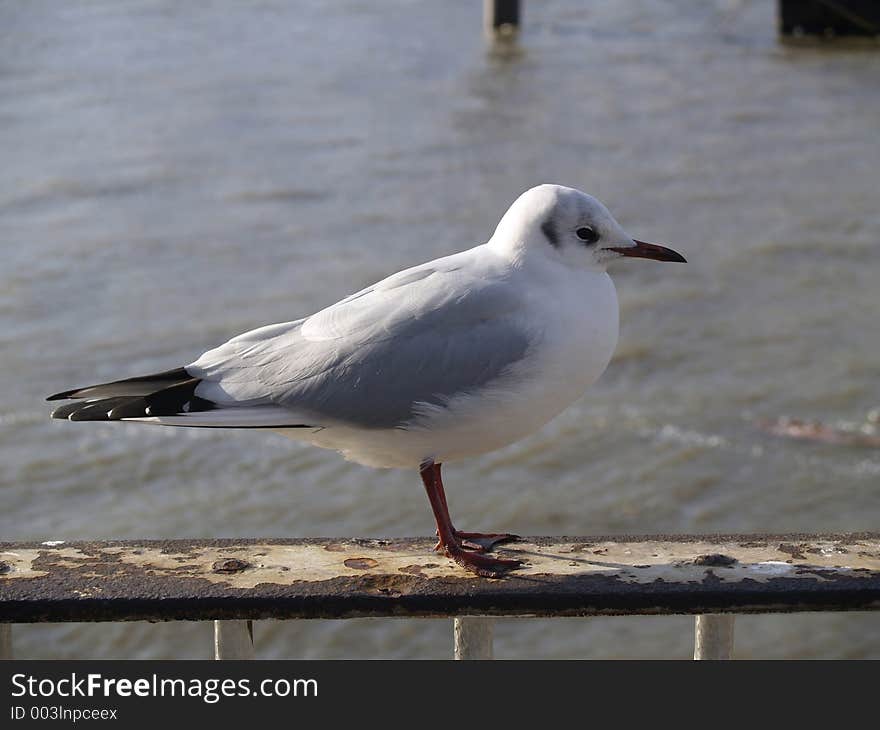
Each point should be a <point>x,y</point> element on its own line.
<point>488,540</point>
<point>471,556</point>
<point>482,565</point>
<point>466,544</point>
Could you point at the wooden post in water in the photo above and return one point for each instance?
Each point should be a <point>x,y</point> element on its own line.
<point>501,17</point>
<point>473,637</point>
<point>233,640</point>
<point>5,641</point>
<point>829,19</point>
<point>713,636</point>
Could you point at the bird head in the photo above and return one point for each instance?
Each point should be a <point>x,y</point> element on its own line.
<point>570,227</point>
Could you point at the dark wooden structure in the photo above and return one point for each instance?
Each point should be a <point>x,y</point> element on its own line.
<point>829,18</point>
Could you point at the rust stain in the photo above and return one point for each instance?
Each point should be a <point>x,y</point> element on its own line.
<point>360,563</point>
<point>397,545</point>
<point>581,546</point>
<point>412,569</point>
<point>335,547</point>
<point>796,551</point>
<point>230,565</point>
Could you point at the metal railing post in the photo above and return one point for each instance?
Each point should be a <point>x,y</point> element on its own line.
<point>5,641</point>
<point>473,637</point>
<point>713,636</point>
<point>233,640</point>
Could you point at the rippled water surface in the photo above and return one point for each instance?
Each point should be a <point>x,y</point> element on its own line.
<point>173,174</point>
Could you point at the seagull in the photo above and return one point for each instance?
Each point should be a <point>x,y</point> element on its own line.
<point>442,361</point>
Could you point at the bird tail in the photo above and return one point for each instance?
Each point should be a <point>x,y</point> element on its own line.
<point>161,394</point>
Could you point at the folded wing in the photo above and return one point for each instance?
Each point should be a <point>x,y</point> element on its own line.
<point>373,360</point>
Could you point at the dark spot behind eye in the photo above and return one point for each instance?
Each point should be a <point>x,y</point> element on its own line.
<point>587,234</point>
<point>549,231</point>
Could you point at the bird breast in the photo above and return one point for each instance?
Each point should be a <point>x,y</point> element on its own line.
<point>575,337</point>
<point>578,340</point>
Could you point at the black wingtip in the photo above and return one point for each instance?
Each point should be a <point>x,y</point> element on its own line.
<point>83,415</point>
<point>141,385</point>
<point>63,412</point>
<point>133,408</point>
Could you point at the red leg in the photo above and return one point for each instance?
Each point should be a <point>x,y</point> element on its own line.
<point>451,544</point>
<point>491,538</point>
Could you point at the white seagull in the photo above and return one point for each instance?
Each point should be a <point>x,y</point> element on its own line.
<point>453,358</point>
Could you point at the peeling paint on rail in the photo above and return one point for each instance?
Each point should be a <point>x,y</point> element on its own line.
<point>165,580</point>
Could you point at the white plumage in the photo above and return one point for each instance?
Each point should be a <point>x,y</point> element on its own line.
<point>449,359</point>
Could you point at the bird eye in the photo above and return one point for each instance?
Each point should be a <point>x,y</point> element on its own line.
<point>587,234</point>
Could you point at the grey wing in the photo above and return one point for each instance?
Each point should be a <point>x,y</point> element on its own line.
<point>385,384</point>
<point>376,358</point>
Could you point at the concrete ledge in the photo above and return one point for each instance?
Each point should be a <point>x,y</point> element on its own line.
<point>163,580</point>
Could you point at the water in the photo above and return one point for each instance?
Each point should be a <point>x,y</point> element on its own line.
<point>174,174</point>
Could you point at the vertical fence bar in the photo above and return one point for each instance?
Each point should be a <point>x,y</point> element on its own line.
<point>5,641</point>
<point>473,637</point>
<point>713,636</point>
<point>233,640</point>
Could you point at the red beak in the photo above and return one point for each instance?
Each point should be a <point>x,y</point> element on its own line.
<point>644,250</point>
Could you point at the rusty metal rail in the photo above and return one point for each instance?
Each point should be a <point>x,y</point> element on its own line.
<point>233,581</point>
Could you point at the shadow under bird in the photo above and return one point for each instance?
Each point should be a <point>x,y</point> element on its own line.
<point>446,360</point>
